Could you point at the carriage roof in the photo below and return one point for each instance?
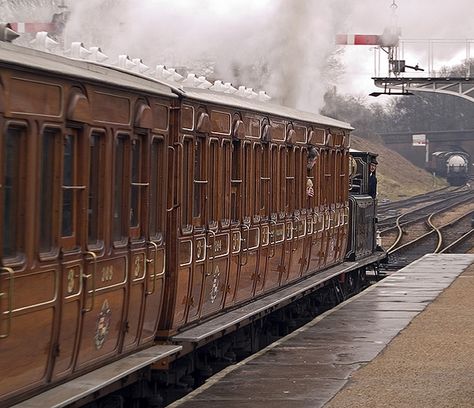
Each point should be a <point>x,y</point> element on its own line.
<point>11,54</point>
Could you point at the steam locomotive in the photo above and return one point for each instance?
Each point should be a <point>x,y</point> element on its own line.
<point>454,165</point>
<point>136,211</point>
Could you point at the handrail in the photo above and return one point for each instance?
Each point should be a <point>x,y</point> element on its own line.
<point>247,245</point>
<point>148,261</point>
<point>10,300</point>
<point>173,191</point>
<point>86,278</point>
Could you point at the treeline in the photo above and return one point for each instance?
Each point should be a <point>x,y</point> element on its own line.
<point>417,113</point>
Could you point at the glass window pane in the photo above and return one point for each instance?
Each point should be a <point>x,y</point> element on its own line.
<point>68,180</point>
<point>95,189</point>
<point>46,190</point>
<point>119,174</point>
<point>197,190</point>
<point>135,189</point>
<point>11,187</point>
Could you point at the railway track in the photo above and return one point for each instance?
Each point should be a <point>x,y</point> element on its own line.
<point>395,208</point>
<point>417,209</point>
<point>441,227</point>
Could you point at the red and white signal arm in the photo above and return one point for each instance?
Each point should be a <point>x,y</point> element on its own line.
<point>419,140</point>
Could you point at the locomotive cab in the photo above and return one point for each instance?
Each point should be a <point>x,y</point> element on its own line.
<point>362,206</point>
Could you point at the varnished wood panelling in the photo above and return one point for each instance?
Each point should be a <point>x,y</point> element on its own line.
<point>110,108</point>
<point>28,96</point>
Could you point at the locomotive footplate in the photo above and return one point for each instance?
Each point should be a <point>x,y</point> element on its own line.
<point>99,380</point>
<point>230,321</point>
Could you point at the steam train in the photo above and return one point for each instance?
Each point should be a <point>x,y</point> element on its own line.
<point>454,165</point>
<point>135,212</point>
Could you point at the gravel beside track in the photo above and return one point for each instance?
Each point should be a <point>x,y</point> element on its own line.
<point>429,364</point>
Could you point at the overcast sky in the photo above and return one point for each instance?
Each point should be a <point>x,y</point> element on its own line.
<point>291,41</point>
<point>418,19</point>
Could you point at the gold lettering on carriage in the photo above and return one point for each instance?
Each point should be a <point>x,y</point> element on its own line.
<point>138,262</point>
<point>107,273</point>
<point>215,284</point>
<point>71,280</point>
<point>218,245</point>
<point>235,241</point>
<point>199,249</point>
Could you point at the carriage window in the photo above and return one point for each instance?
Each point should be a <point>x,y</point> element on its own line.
<point>290,180</point>
<point>213,181</point>
<point>12,202</point>
<point>236,181</point>
<point>48,158</point>
<point>157,193</point>
<point>69,192</point>
<point>225,185</point>
<point>298,184</point>
<point>119,175</point>
<point>249,181</point>
<point>264,188</point>
<point>138,186</point>
<point>275,193</point>
<point>187,180</point>
<point>198,189</point>
<point>96,171</point>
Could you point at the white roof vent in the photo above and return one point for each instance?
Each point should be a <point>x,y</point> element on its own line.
<point>241,91</point>
<point>139,67</point>
<point>168,74</point>
<point>97,55</point>
<point>229,88</point>
<point>262,96</point>
<point>43,42</point>
<point>191,81</point>
<point>203,83</point>
<point>174,76</point>
<point>250,94</point>
<point>78,51</point>
<point>125,62</point>
<point>218,86</point>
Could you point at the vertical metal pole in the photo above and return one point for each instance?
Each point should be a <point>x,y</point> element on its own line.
<point>468,58</point>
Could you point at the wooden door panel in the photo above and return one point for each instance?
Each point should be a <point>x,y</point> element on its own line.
<point>275,264</point>
<point>26,351</point>
<point>180,300</point>
<point>246,277</point>
<point>196,291</point>
<point>136,297</point>
<point>26,327</point>
<point>70,321</point>
<point>102,328</point>
<point>155,276</point>
<point>214,287</point>
<point>71,298</point>
<point>103,321</point>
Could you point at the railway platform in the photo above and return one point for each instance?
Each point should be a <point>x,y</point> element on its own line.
<point>404,342</point>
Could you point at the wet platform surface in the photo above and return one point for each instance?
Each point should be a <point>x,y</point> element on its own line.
<point>310,366</point>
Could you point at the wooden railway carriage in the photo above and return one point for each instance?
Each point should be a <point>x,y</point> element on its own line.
<point>131,209</point>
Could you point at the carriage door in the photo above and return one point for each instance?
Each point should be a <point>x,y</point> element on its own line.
<point>73,199</point>
<point>216,265</point>
<point>140,251</point>
<point>155,262</point>
<point>247,265</point>
<point>262,201</point>
<point>276,224</point>
<point>105,275</point>
<point>27,294</point>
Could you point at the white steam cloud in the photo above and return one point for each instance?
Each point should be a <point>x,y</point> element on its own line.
<point>282,46</point>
